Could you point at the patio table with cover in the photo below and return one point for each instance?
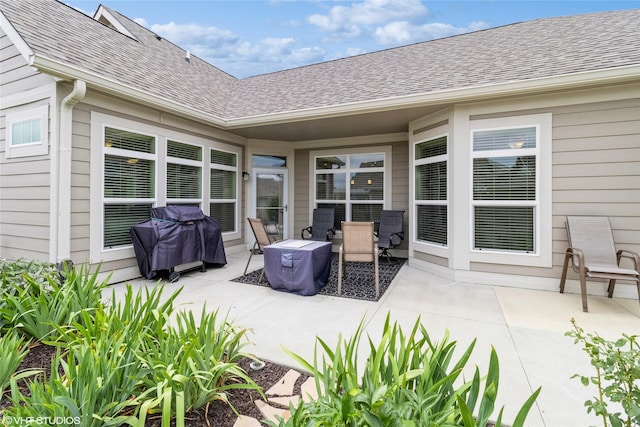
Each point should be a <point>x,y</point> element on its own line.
<point>298,266</point>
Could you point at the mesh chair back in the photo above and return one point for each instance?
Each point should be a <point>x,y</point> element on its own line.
<point>323,221</point>
<point>259,232</point>
<point>357,241</point>
<point>593,236</point>
<point>391,223</point>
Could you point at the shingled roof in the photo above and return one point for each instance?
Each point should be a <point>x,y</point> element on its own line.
<point>523,51</point>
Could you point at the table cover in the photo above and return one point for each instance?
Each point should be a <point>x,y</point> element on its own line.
<point>301,267</point>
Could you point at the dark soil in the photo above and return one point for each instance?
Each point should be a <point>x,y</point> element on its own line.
<point>216,414</point>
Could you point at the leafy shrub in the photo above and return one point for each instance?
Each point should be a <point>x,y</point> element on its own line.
<point>617,365</point>
<point>126,361</point>
<point>96,387</point>
<point>407,380</point>
<point>194,364</point>
<point>13,349</point>
<point>15,275</point>
<point>38,305</point>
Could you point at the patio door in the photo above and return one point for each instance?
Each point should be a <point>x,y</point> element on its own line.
<point>271,189</point>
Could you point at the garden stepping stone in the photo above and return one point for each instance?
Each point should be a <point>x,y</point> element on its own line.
<point>245,421</point>
<point>308,390</point>
<point>284,400</point>
<point>284,387</point>
<point>269,412</point>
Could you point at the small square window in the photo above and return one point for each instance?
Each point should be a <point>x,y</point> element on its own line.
<point>27,132</point>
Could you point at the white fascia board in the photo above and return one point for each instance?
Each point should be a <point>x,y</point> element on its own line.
<point>113,87</point>
<point>520,87</point>
<point>15,38</point>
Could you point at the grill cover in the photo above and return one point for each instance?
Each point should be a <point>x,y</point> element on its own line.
<point>176,235</point>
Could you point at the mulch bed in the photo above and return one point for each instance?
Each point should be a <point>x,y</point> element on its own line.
<point>216,414</point>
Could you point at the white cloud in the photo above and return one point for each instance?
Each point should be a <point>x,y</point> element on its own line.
<point>228,51</point>
<point>402,32</point>
<point>352,20</point>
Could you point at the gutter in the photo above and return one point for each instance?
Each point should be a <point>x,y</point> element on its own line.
<point>63,168</point>
<point>466,94</point>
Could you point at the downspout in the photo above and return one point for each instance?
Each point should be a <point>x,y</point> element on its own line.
<point>63,223</point>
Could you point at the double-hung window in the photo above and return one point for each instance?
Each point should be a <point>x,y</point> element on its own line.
<point>223,204</point>
<point>351,182</point>
<point>184,174</point>
<point>506,196</point>
<point>129,183</point>
<point>430,160</point>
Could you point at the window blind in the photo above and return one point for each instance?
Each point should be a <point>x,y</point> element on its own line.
<point>504,189</point>
<point>225,214</point>
<point>184,151</point>
<point>507,228</point>
<point>128,177</point>
<point>125,140</point>
<point>432,223</point>
<point>431,183</point>
<point>223,184</point>
<point>224,158</point>
<point>118,219</point>
<point>184,181</point>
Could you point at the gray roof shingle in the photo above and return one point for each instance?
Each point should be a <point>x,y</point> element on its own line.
<point>61,33</point>
<point>528,50</point>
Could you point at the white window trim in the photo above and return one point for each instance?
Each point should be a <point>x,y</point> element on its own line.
<point>106,201</point>
<point>542,255</point>
<point>37,148</point>
<point>387,170</point>
<point>186,162</point>
<point>430,247</point>
<point>97,252</point>
<point>235,234</point>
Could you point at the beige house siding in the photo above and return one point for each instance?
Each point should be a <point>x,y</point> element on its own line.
<point>25,189</point>
<point>80,182</point>
<point>596,170</point>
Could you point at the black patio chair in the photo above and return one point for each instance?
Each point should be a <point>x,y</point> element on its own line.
<point>390,232</point>
<point>323,227</point>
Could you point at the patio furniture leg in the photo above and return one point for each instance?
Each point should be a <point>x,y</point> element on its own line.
<point>375,262</point>
<point>612,284</point>
<point>583,289</point>
<point>563,278</point>
<point>340,271</point>
<point>249,260</point>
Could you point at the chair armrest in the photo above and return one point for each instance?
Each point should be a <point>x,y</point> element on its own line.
<point>633,256</point>
<point>330,233</point>
<point>575,252</point>
<point>308,230</point>
<point>397,238</point>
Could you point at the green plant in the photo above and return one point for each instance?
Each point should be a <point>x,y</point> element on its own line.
<point>194,364</point>
<point>15,275</point>
<point>617,379</point>
<point>38,307</point>
<point>13,349</point>
<point>97,387</point>
<point>407,380</point>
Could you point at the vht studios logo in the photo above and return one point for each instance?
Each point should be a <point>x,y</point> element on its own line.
<point>36,421</point>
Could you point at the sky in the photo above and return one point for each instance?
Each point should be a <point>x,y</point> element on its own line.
<point>250,37</point>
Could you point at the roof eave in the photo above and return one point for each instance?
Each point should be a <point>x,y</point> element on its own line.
<point>15,37</point>
<point>66,72</point>
<point>467,94</point>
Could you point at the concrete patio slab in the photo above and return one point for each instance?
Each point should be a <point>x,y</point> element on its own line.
<point>526,327</point>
